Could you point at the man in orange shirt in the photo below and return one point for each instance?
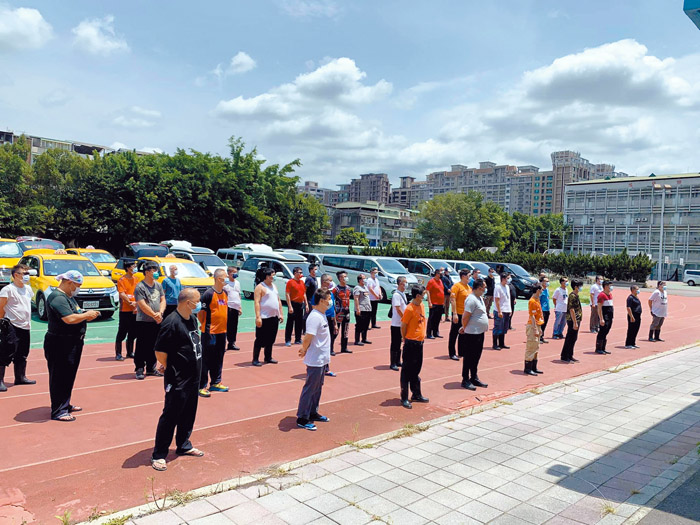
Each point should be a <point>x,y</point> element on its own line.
<point>213,318</point>
<point>533,331</point>
<point>436,304</point>
<point>127,311</point>
<point>460,292</point>
<point>298,306</point>
<point>413,335</point>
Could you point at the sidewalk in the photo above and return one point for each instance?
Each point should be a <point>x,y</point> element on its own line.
<point>602,450</point>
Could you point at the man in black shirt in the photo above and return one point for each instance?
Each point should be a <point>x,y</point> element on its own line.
<point>488,296</point>
<point>634,317</point>
<point>179,349</point>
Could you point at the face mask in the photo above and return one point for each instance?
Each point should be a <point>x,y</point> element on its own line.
<point>25,280</point>
<point>234,275</point>
<point>175,273</point>
<point>75,292</point>
<point>156,275</point>
<point>611,288</point>
<point>664,287</point>
<point>197,308</point>
<point>510,280</point>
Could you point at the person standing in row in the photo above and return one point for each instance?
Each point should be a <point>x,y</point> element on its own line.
<point>490,285</point>
<point>150,306</point>
<point>375,294</point>
<point>413,329</point>
<point>63,343</point>
<point>447,290</point>
<point>363,311</point>
<point>459,293</point>
<point>574,315</point>
<point>513,296</point>
<point>544,303</point>
<point>476,274</point>
<point>560,299</point>
<point>315,349</point>
<point>235,307</point>
<point>475,323</point>
<point>398,307</point>
<point>533,332</point>
<point>268,317</point>
<point>501,316</point>
<point>596,288</point>
<point>16,307</point>
<point>658,306</point>
<point>436,301</point>
<point>126,286</point>
<point>213,318</point>
<point>634,317</point>
<point>312,284</point>
<point>172,288</point>
<point>297,307</point>
<point>343,298</point>
<point>327,285</point>
<point>179,350</point>
<point>605,317</point>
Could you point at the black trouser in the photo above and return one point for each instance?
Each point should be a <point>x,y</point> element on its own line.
<point>265,337</point>
<point>232,326</point>
<point>567,351</point>
<point>295,320</point>
<point>343,326</point>
<point>213,350</point>
<point>332,329</point>
<point>602,337</point>
<point>454,332</point>
<point>412,364</point>
<point>510,319</point>
<point>169,308</point>
<point>545,315</point>
<point>375,305</point>
<point>633,330</point>
<point>470,348</point>
<point>179,412</point>
<point>146,335</point>
<point>395,348</point>
<point>434,316</point>
<point>63,359</point>
<point>21,352</point>
<point>127,329</point>
<point>311,393</point>
<point>361,326</point>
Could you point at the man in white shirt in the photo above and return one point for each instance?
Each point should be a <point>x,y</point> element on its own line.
<point>16,307</point>
<point>316,351</point>
<point>375,294</point>
<point>398,307</point>
<point>560,298</point>
<point>235,308</point>
<point>596,288</point>
<point>501,317</point>
<point>658,304</point>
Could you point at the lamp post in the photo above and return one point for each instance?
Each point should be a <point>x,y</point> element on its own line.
<point>661,226</point>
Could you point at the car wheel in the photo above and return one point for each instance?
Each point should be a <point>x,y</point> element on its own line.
<point>248,295</point>
<point>41,307</point>
<point>691,283</point>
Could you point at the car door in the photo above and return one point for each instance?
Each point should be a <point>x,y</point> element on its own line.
<point>34,272</point>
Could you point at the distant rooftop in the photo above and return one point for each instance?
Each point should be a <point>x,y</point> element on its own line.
<point>638,179</point>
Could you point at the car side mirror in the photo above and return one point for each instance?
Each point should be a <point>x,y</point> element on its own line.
<point>106,273</point>
<point>33,272</point>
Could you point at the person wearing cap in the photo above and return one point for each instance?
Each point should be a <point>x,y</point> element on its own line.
<point>63,342</point>
<point>172,288</point>
<point>150,307</point>
<point>16,307</point>
<point>127,311</point>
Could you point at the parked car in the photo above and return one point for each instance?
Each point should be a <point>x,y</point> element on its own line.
<point>10,254</point>
<point>37,243</point>
<point>233,256</point>
<point>471,266</point>
<point>389,270</point>
<point>206,258</point>
<point>189,272</point>
<point>690,277</point>
<point>96,293</point>
<point>104,260</point>
<point>282,263</point>
<point>145,249</point>
<point>424,269</point>
<point>523,281</point>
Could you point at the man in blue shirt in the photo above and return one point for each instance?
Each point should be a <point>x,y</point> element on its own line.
<point>172,288</point>
<point>544,302</point>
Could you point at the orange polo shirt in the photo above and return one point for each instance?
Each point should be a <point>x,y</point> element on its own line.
<point>534,309</point>
<point>126,285</point>
<point>460,292</point>
<point>414,318</point>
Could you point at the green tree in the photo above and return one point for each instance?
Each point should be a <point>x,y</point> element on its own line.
<point>349,237</point>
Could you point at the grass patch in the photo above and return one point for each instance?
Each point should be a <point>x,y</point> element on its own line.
<point>354,442</point>
<point>674,460</point>
<point>619,368</point>
<point>503,402</point>
<point>121,520</point>
<point>276,471</point>
<point>410,429</point>
<point>65,518</point>
<point>635,491</point>
<point>535,391</point>
<point>179,497</point>
<point>608,508</point>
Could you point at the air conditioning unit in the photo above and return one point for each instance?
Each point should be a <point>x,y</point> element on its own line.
<point>591,219</point>
<point>637,219</point>
<point>645,219</point>
<point>611,219</point>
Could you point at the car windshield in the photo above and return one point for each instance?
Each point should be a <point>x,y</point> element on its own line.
<point>98,257</point>
<point>185,270</point>
<point>208,259</point>
<point>10,249</point>
<point>147,250</point>
<point>56,267</point>
<point>392,266</point>
<point>44,244</point>
<point>483,268</point>
<point>518,270</point>
<point>443,264</point>
<point>304,268</point>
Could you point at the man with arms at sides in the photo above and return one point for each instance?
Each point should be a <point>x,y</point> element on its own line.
<point>413,328</point>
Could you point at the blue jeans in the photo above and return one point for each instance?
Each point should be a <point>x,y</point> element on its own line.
<point>559,323</point>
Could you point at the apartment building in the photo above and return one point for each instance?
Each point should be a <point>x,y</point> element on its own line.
<point>370,187</point>
<point>324,195</point>
<point>381,223</point>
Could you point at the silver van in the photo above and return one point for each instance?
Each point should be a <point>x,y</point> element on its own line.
<point>691,277</point>
<point>389,269</point>
<point>282,263</point>
<point>424,269</point>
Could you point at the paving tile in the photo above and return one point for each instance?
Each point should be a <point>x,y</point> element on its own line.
<point>399,476</point>
<point>400,495</point>
<point>550,504</point>
<point>245,513</point>
<point>479,511</point>
<point>470,489</point>
<point>488,480</point>
<point>376,484</point>
<point>330,482</point>
<point>350,516</point>
<point>353,474</point>
<point>499,501</point>
<point>277,501</point>
<point>326,503</point>
<point>166,517</point>
<point>404,517</point>
<point>378,506</point>
<point>376,466</point>
<point>508,519</point>
<point>195,509</point>
<point>456,518</point>
<point>449,498</point>
<point>305,491</point>
<point>299,514</point>
<point>423,486</point>
<point>353,493</point>
<point>214,519</point>
<point>518,491</point>
<point>228,499</point>
<point>530,513</point>
<point>428,509</point>
<point>443,477</point>
<point>419,468</point>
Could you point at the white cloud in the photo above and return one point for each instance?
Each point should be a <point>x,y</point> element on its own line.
<point>145,112</point>
<point>137,117</point>
<point>97,36</point>
<point>311,8</point>
<point>118,145</point>
<point>23,28</point>
<point>56,98</point>
<point>241,63</point>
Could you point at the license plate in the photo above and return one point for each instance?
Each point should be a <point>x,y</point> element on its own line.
<point>91,304</point>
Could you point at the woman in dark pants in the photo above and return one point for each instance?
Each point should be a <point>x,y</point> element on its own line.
<point>63,343</point>
<point>475,323</point>
<point>634,317</point>
<point>574,314</point>
<point>605,313</point>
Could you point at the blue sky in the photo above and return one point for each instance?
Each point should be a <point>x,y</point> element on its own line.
<point>351,87</point>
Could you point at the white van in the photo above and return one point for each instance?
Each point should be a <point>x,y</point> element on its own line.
<point>389,269</point>
<point>282,263</point>
<point>691,277</point>
<point>424,269</point>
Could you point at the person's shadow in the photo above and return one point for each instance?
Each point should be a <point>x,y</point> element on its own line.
<point>34,415</point>
<point>141,459</point>
<point>393,402</point>
<point>287,423</point>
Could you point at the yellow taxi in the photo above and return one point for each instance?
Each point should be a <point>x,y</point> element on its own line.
<point>189,272</point>
<point>96,293</point>
<point>10,254</point>
<point>104,260</point>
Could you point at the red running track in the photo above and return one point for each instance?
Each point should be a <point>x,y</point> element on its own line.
<point>102,459</point>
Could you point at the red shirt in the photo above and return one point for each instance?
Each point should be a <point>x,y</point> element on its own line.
<point>436,291</point>
<point>296,290</point>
